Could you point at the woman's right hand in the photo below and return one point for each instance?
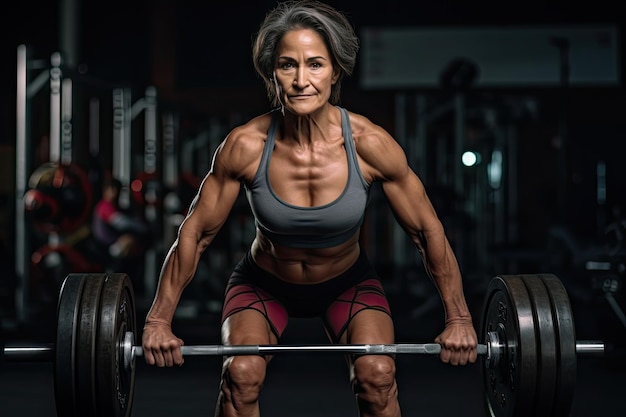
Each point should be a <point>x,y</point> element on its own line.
<point>160,345</point>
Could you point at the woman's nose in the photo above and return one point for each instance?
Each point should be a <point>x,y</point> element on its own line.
<point>300,78</point>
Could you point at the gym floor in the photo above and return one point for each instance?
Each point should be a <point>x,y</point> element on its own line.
<point>309,385</point>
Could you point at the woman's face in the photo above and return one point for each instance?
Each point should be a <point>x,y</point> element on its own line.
<point>304,72</point>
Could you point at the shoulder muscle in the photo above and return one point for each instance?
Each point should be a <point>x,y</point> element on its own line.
<point>381,156</point>
<point>239,153</point>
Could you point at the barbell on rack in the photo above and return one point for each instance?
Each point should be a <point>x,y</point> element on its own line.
<point>529,352</point>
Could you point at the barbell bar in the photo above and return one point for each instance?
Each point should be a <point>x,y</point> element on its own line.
<point>45,352</point>
<point>528,355</point>
<point>493,350</point>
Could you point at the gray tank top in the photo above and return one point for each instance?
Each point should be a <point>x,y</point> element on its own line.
<point>309,227</point>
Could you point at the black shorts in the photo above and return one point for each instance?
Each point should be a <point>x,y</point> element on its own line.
<point>337,300</point>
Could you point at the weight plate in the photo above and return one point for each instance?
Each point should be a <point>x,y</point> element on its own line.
<point>565,338</point>
<point>117,316</point>
<point>68,308</point>
<point>546,345</point>
<point>509,387</point>
<point>86,350</point>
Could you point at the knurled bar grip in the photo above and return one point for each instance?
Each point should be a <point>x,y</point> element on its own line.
<point>218,350</point>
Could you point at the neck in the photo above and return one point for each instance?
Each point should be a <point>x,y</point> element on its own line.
<point>311,127</point>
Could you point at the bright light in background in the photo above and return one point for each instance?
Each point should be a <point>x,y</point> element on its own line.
<point>470,158</point>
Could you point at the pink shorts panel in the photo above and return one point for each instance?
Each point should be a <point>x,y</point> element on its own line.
<point>246,297</point>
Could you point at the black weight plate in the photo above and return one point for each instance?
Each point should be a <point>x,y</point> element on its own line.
<point>86,351</point>
<point>117,316</point>
<point>68,309</point>
<point>565,336</point>
<point>546,345</point>
<point>510,388</point>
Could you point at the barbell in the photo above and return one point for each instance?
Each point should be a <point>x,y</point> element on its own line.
<point>529,348</point>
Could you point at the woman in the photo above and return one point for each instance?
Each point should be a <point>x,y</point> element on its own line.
<point>307,168</point>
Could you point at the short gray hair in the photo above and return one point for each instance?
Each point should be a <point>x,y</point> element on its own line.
<point>333,26</point>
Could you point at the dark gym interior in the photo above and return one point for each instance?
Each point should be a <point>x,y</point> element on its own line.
<point>530,93</point>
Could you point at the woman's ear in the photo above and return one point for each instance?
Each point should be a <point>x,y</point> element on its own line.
<point>336,74</point>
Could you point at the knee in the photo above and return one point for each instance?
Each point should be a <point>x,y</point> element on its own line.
<point>243,377</point>
<point>375,375</point>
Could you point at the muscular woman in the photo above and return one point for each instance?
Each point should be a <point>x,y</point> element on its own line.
<point>307,168</point>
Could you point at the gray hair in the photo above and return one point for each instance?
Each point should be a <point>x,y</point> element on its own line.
<point>333,26</point>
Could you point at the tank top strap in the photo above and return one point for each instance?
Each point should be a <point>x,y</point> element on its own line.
<point>347,135</point>
<point>348,140</point>
<point>269,142</point>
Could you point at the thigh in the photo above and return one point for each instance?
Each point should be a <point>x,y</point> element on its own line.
<point>359,311</point>
<point>247,327</point>
<point>369,327</point>
<point>252,316</point>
